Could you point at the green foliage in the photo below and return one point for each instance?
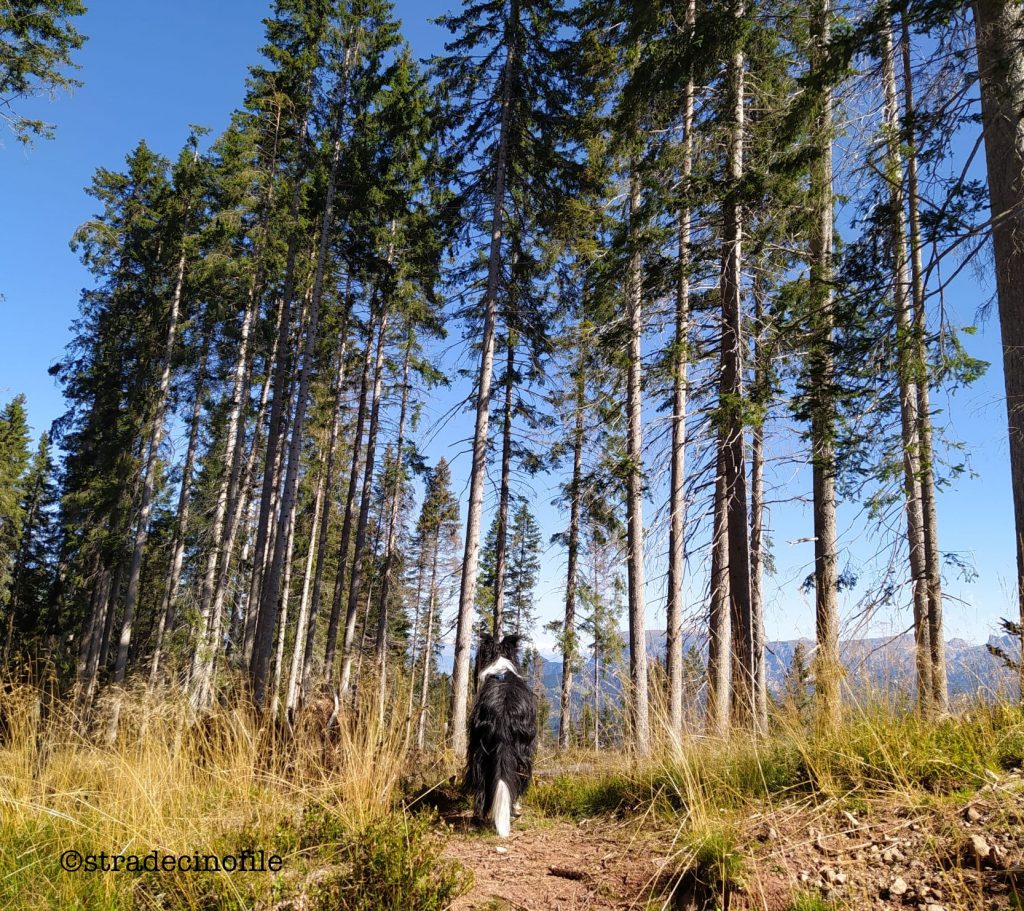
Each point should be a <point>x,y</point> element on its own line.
<point>810,901</point>
<point>37,39</point>
<point>394,862</point>
<point>14,464</point>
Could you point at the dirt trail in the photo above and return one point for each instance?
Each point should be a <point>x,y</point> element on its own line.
<point>598,865</point>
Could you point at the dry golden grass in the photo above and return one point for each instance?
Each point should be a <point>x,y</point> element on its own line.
<point>180,786</point>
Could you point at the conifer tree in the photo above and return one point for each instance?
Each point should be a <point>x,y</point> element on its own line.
<point>507,118</point>
<point>37,40</point>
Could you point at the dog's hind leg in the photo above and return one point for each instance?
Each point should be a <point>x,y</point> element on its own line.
<point>501,809</point>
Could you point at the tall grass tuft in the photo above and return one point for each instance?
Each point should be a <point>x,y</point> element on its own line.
<point>184,785</point>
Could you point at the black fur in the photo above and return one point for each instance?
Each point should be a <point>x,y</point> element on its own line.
<point>502,729</point>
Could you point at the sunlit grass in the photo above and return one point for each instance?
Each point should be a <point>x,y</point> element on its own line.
<point>182,786</point>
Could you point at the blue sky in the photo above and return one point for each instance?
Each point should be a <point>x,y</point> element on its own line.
<point>151,69</point>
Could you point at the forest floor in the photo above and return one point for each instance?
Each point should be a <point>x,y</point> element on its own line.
<point>920,851</point>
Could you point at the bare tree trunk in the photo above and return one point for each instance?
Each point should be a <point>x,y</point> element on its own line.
<point>428,651</point>
<point>743,647</point>
<point>275,688</point>
<point>298,647</point>
<point>88,659</point>
<point>417,604</point>
<point>280,398</point>
<point>827,666</point>
<point>148,485</point>
<point>680,358</point>
<point>167,606</point>
<point>355,579</point>
<point>501,544</point>
<point>719,621</point>
<point>353,482</point>
<point>908,390</point>
<point>569,649</point>
<point>930,524</point>
<point>219,557</point>
<point>1000,44</point>
<point>634,487</point>
<point>269,598</point>
<point>389,542</point>
<point>332,447</point>
<point>757,511</point>
<point>470,567</point>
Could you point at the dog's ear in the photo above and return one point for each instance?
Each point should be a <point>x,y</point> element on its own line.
<point>510,647</point>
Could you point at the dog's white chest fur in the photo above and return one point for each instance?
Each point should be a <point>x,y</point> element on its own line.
<point>500,666</point>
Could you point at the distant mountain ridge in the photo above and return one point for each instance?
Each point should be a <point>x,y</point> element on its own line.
<point>882,661</point>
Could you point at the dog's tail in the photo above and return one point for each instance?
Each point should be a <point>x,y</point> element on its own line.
<point>501,809</point>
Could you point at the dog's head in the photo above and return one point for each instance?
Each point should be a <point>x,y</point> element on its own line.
<point>490,652</point>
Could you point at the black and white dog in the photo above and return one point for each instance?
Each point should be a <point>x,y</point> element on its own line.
<point>502,734</point>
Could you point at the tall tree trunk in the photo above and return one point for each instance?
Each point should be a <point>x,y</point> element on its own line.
<point>575,494</point>
<point>1000,43</point>
<point>827,666</point>
<point>428,651</point>
<point>719,621</point>
<point>148,484</point>
<point>757,508</point>
<point>680,358</point>
<point>356,576</point>
<point>501,544</point>
<point>470,563</point>
<point>421,571</point>
<point>269,601</point>
<point>930,523</point>
<point>908,390</point>
<point>167,605</point>
<point>282,626</point>
<point>350,497</point>
<point>302,621</point>
<point>280,398</point>
<point>392,532</point>
<point>634,486</point>
<point>731,395</point>
<point>325,524</point>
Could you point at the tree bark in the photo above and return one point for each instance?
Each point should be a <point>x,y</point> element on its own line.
<point>389,541</point>
<point>757,510</point>
<point>356,576</point>
<point>302,621</point>
<point>719,621</point>
<point>827,666</point>
<point>575,494</point>
<point>501,544</point>
<point>325,523</point>
<point>428,649</point>
<point>731,398</point>
<point>929,517</point>
<point>353,481</point>
<point>470,564</point>
<point>269,601</point>
<point>680,357</point>
<point>1000,44</point>
<point>167,606</point>
<point>908,390</point>
<point>148,487</point>
<point>638,702</point>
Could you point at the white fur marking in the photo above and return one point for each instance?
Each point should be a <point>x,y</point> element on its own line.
<point>501,810</point>
<point>501,666</point>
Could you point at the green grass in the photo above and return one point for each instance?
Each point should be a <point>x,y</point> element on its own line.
<point>875,751</point>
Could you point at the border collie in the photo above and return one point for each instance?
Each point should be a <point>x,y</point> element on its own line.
<point>502,734</point>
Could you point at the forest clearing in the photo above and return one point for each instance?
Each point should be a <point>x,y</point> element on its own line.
<point>623,398</point>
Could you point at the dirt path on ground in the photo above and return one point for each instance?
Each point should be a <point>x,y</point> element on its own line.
<point>598,865</point>
<point>932,853</point>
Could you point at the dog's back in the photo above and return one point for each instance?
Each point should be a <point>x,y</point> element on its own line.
<point>502,735</point>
